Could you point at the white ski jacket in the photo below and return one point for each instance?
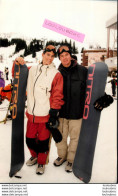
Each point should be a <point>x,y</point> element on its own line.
<point>44,91</point>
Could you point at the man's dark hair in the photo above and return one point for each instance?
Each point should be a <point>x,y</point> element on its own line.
<point>74,57</point>
<point>66,44</point>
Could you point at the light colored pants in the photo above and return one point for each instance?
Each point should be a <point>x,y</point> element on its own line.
<point>67,149</point>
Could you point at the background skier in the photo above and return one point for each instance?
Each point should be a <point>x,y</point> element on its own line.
<point>113,84</point>
<point>7,73</point>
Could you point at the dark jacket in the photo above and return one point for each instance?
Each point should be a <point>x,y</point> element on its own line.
<point>74,90</point>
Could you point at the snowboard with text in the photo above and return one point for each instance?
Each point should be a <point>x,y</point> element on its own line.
<point>95,88</point>
<point>17,140</point>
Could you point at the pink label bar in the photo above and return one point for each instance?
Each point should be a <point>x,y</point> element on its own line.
<point>64,30</point>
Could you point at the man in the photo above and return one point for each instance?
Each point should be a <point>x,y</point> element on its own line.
<point>44,99</point>
<point>71,113</point>
<point>7,73</point>
<point>70,120</point>
<point>113,82</point>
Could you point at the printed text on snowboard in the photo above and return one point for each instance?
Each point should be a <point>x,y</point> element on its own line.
<point>88,93</point>
<point>15,96</point>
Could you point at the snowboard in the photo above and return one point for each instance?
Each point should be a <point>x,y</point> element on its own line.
<point>18,100</point>
<point>95,86</point>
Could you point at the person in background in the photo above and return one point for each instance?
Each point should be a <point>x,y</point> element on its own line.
<point>7,73</point>
<point>113,82</point>
<point>2,81</point>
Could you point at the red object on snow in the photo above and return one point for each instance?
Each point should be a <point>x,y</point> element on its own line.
<point>6,92</point>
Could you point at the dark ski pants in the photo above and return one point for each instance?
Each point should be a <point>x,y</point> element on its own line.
<point>114,90</point>
<point>37,140</point>
<point>7,77</point>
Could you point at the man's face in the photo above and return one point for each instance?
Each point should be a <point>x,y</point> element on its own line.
<point>65,57</point>
<point>48,58</point>
<point>49,55</point>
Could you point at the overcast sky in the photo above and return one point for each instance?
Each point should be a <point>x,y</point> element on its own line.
<point>27,17</point>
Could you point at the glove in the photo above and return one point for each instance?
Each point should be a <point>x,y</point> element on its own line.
<point>52,125</point>
<point>54,131</point>
<point>53,116</point>
<point>20,60</point>
<point>103,102</point>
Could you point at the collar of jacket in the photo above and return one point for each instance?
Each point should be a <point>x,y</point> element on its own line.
<point>73,64</point>
<point>42,67</point>
<point>52,65</point>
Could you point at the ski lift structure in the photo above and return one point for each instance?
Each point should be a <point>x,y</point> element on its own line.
<point>108,54</point>
<point>111,26</point>
<point>111,59</point>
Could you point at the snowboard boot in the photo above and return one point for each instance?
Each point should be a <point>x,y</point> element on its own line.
<point>68,167</point>
<point>59,161</point>
<point>40,169</point>
<point>31,161</point>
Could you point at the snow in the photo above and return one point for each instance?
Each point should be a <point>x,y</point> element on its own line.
<point>105,159</point>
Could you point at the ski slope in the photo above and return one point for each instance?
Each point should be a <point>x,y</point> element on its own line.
<point>105,159</point>
<point>104,166</point>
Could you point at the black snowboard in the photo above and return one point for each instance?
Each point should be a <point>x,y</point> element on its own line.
<point>17,140</point>
<point>96,81</point>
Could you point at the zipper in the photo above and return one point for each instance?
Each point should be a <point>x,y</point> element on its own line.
<point>46,76</point>
<point>34,88</point>
<point>46,69</point>
<point>33,118</point>
<point>46,91</point>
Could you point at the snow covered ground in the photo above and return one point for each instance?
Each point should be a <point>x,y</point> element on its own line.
<point>104,166</point>
<point>105,159</point>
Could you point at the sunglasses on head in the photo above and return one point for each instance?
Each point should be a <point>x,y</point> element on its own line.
<point>63,49</point>
<point>50,48</point>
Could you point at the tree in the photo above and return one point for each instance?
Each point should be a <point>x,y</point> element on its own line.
<point>66,41</point>
<point>20,44</point>
<point>70,43</point>
<point>34,54</point>
<point>74,49</point>
<point>82,50</point>
<point>51,42</point>
<point>4,42</point>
